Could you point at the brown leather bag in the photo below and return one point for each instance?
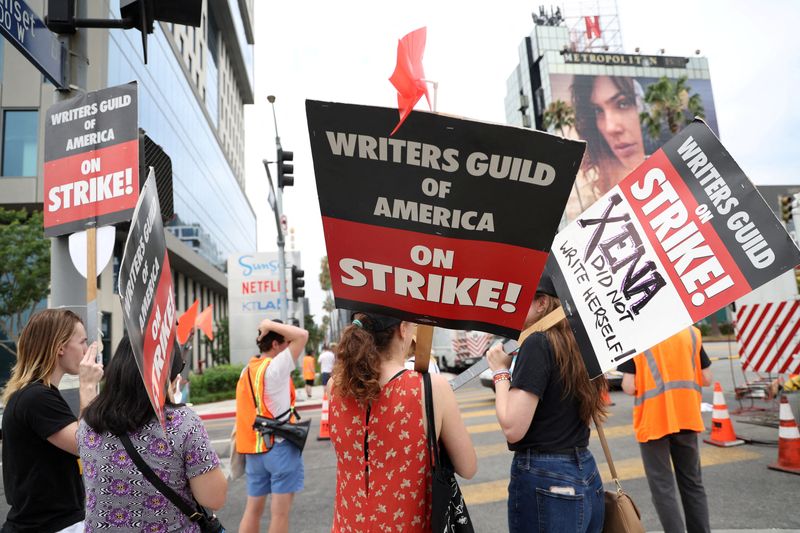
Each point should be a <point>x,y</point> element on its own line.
<point>622,515</point>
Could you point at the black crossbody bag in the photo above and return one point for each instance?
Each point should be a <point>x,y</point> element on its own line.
<point>208,523</point>
<point>448,511</point>
<point>296,433</point>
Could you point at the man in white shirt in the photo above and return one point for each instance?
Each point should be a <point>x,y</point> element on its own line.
<point>326,360</point>
<point>272,467</point>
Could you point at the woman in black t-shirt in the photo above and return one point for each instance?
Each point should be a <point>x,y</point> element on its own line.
<point>40,464</point>
<point>544,411</point>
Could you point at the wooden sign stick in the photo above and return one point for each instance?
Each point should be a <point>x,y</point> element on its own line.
<point>422,350</point>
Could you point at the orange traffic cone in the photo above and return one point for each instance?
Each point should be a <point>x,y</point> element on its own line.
<point>722,433</point>
<point>324,427</point>
<point>788,441</point>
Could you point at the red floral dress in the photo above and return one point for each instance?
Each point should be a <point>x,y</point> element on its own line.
<point>382,460</point>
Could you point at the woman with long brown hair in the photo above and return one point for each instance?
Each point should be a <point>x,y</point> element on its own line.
<point>544,411</point>
<point>377,418</point>
<point>40,448</point>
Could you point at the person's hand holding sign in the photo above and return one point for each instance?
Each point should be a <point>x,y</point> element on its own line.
<point>497,358</point>
<point>89,375</point>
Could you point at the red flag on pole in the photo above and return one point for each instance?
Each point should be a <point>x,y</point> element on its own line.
<point>186,322</point>
<point>408,76</point>
<point>204,322</point>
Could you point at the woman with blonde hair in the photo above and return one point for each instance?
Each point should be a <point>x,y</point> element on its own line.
<point>40,468</point>
<point>378,431</point>
<point>544,411</point>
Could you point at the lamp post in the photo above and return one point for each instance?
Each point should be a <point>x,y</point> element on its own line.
<point>276,202</point>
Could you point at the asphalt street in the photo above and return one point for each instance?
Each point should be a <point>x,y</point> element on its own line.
<point>742,492</point>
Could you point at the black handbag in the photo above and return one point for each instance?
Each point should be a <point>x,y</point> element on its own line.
<point>208,523</point>
<point>296,433</point>
<point>448,511</point>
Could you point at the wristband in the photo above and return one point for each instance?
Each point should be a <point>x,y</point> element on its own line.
<point>500,371</point>
<point>502,377</point>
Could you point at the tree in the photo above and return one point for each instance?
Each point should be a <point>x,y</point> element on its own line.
<point>670,106</point>
<point>220,347</point>
<point>315,334</point>
<point>24,270</point>
<point>330,307</point>
<point>324,274</point>
<point>559,115</point>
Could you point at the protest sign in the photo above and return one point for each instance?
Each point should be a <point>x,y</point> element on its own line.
<point>148,299</point>
<point>91,160</point>
<point>447,223</point>
<point>683,235</point>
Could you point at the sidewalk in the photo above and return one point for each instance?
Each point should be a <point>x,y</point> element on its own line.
<point>227,408</point>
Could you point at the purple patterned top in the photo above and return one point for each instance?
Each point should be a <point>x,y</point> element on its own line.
<point>118,497</point>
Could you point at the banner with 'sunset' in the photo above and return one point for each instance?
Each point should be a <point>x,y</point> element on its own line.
<point>682,236</point>
<point>448,222</point>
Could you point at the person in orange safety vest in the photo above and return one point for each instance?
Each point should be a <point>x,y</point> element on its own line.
<point>667,382</point>
<point>273,465</point>
<point>309,371</point>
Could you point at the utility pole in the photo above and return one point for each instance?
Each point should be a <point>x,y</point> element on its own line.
<point>277,208</point>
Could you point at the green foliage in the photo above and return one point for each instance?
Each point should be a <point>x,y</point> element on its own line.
<point>215,384</point>
<point>297,378</point>
<point>559,115</point>
<point>324,274</point>
<point>220,346</point>
<point>24,268</point>
<point>315,335</point>
<point>704,328</point>
<point>670,106</point>
<point>726,328</point>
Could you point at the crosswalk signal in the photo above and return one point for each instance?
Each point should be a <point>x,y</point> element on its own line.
<point>298,283</point>
<point>285,168</point>
<point>786,208</point>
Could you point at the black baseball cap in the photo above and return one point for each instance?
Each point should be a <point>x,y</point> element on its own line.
<point>375,322</point>
<point>546,285</point>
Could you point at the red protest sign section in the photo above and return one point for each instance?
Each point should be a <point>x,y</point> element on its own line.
<point>91,154</point>
<point>446,223</point>
<point>683,235</point>
<point>700,268</point>
<point>455,282</point>
<point>80,189</point>
<point>159,339</point>
<point>147,295</point>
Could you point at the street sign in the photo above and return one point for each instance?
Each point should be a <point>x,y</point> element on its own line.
<point>28,33</point>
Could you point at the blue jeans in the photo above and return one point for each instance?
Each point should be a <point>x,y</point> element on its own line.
<point>555,493</point>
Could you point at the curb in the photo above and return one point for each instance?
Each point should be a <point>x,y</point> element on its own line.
<point>232,414</point>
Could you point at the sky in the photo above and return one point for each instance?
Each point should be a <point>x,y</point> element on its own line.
<point>345,51</point>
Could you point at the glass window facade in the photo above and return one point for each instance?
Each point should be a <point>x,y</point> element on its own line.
<point>205,189</point>
<point>20,136</point>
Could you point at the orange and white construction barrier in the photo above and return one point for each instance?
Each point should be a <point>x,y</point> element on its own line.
<point>788,441</point>
<point>324,427</point>
<point>722,433</point>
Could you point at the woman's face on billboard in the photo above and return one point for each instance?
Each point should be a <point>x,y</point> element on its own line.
<point>617,119</point>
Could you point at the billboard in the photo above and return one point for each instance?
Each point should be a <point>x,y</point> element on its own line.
<point>607,116</point>
<point>446,223</point>
<point>254,293</point>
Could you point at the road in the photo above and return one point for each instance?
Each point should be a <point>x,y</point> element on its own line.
<point>743,493</point>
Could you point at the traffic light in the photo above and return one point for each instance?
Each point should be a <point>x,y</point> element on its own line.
<point>298,283</point>
<point>786,208</point>
<point>285,168</point>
